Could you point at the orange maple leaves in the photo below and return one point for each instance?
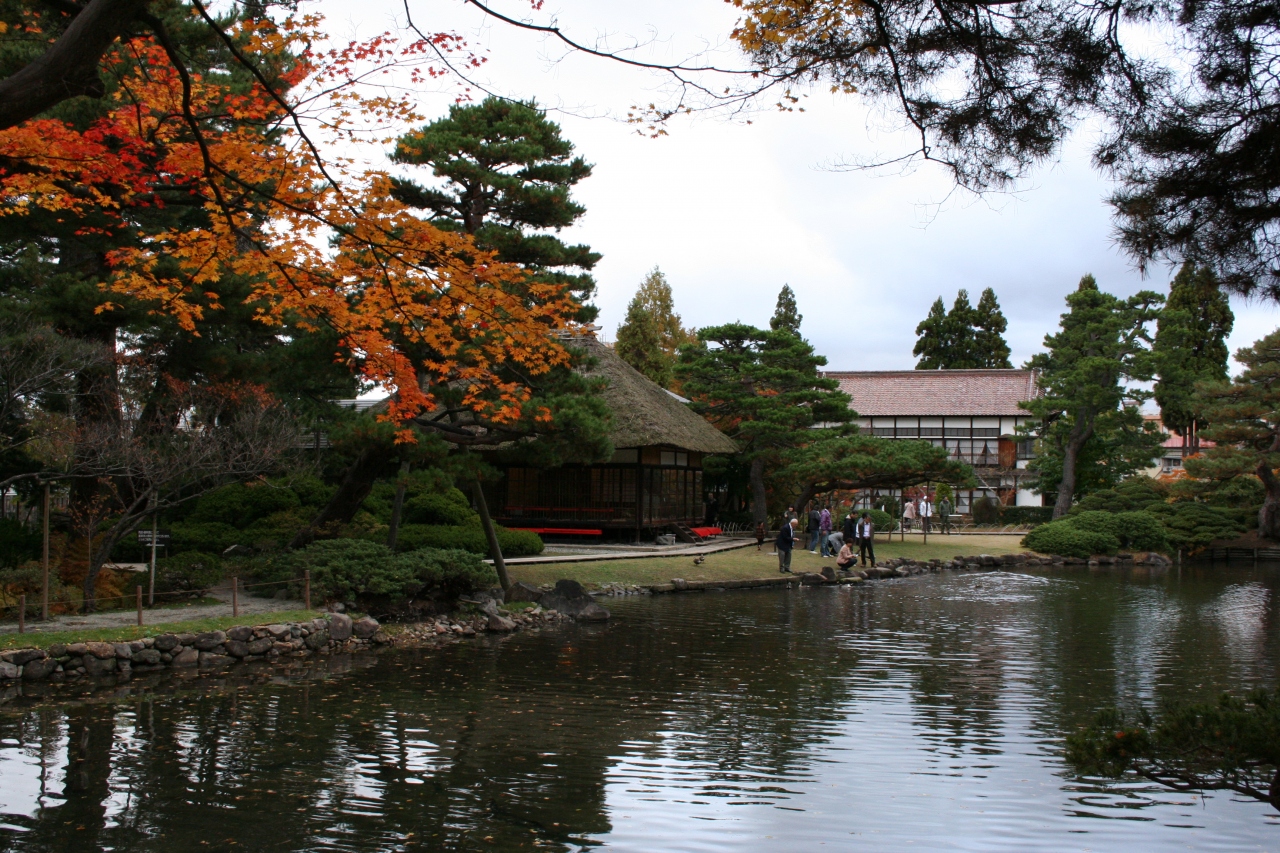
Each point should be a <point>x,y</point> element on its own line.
<point>321,242</point>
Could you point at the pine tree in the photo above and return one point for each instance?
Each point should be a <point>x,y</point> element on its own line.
<point>958,335</point>
<point>1100,346</point>
<point>1190,347</point>
<point>786,315</point>
<point>764,390</point>
<point>507,175</point>
<point>931,338</point>
<point>989,324</point>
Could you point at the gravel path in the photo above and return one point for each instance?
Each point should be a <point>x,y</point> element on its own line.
<point>118,618</point>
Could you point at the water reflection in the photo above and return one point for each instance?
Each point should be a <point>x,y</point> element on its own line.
<point>927,712</point>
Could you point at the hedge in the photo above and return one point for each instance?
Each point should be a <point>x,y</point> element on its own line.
<point>514,543</point>
<point>1030,515</point>
<point>191,572</point>
<point>1065,539</point>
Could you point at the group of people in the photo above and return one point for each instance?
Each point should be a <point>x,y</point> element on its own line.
<point>856,532</point>
<point>924,509</point>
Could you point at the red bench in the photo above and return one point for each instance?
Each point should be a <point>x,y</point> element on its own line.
<point>706,532</point>
<point>562,531</point>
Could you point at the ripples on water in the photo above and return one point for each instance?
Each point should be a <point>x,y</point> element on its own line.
<point>923,714</point>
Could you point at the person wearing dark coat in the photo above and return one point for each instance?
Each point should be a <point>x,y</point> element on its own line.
<point>815,520</point>
<point>849,530</point>
<point>786,542</point>
<point>866,537</point>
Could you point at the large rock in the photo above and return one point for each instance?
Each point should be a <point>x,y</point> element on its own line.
<point>39,670</point>
<point>260,646</point>
<point>165,643</point>
<point>568,598</point>
<point>146,657</point>
<point>237,648</point>
<point>500,624</point>
<point>365,628</point>
<point>124,651</point>
<point>592,613</point>
<point>210,659</point>
<point>18,657</point>
<point>521,591</point>
<point>829,572</point>
<point>242,633</point>
<point>569,588</point>
<point>340,627</point>
<point>186,658</point>
<point>9,671</point>
<point>278,631</point>
<point>101,651</point>
<point>94,665</point>
<point>210,640</point>
<point>812,578</point>
<point>317,640</point>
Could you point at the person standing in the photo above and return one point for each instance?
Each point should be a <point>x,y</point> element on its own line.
<point>786,541</point>
<point>824,530</point>
<point>926,514</point>
<point>815,519</point>
<point>761,533</point>
<point>908,513</point>
<point>866,533</point>
<point>944,514</point>
<point>849,528</point>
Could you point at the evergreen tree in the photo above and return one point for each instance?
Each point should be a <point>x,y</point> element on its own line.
<point>931,338</point>
<point>989,324</point>
<point>963,338</point>
<point>1244,424</point>
<point>763,389</point>
<point>507,174</point>
<point>1190,347</point>
<point>786,315</point>
<point>1100,346</point>
<point>651,333</point>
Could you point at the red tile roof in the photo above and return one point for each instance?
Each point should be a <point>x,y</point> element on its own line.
<point>932,393</point>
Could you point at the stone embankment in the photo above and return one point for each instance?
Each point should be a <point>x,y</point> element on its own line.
<point>334,632</point>
<point>901,567</point>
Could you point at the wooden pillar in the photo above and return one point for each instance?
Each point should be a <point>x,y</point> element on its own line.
<point>44,560</point>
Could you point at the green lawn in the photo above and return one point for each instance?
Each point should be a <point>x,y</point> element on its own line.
<point>133,632</point>
<point>748,563</point>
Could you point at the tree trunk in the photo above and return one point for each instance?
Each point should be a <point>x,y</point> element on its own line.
<point>495,549</point>
<point>343,506</point>
<point>1269,514</point>
<point>1070,454</point>
<point>398,505</point>
<point>759,510</point>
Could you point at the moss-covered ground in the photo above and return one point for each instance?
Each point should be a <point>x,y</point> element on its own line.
<point>749,563</point>
<point>133,632</point>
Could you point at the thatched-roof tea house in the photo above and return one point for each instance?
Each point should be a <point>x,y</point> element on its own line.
<point>653,481</point>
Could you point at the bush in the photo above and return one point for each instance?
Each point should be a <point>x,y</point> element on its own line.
<point>985,511</point>
<point>450,509</point>
<point>1065,539</point>
<point>514,543</point>
<point>1138,530</point>
<point>18,543</point>
<point>884,523</point>
<point>353,570</point>
<point>208,537</point>
<point>1030,515</point>
<point>239,504</point>
<point>193,573</point>
<point>1191,526</point>
<point>448,573</point>
<point>1132,495</point>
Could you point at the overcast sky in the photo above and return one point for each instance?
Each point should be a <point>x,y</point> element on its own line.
<point>731,211</point>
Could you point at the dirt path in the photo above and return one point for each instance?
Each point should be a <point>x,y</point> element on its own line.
<point>118,618</point>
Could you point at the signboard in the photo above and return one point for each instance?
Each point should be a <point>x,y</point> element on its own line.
<point>162,537</point>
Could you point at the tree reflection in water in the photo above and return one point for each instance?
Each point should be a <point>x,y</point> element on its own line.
<point>679,707</point>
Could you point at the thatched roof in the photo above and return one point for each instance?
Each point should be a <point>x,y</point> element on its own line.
<point>644,414</point>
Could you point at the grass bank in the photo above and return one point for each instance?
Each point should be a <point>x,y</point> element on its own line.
<point>133,632</point>
<point>748,563</point>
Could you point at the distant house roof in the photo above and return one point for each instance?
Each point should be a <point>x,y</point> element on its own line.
<point>646,414</point>
<point>1172,441</point>
<point>934,393</point>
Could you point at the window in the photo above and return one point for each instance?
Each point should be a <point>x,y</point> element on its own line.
<point>674,457</point>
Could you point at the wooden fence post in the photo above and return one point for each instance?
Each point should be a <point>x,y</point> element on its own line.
<point>235,595</point>
<point>138,596</point>
<point>44,559</point>
<point>22,614</point>
<point>306,589</point>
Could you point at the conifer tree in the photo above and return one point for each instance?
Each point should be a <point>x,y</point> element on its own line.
<point>958,335</point>
<point>1190,347</point>
<point>507,176</point>
<point>651,333</point>
<point>931,340</point>
<point>786,315</point>
<point>1100,346</point>
<point>989,324</point>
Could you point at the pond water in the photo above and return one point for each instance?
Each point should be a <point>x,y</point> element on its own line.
<point>922,714</point>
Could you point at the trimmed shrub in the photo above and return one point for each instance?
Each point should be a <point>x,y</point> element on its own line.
<point>1135,494</point>
<point>1138,530</point>
<point>1065,539</point>
<point>239,504</point>
<point>1191,526</point>
<point>448,573</point>
<point>884,523</point>
<point>1031,515</point>
<point>985,511</point>
<point>514,543</point>
<point>191,573</point>
<point>212,537</point>
<point>354,570</point>
<point>449,509</point>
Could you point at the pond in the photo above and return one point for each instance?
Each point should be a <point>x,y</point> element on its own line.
<point>922,714</point>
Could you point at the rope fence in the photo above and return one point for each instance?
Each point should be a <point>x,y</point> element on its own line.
<point>21,608</point>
